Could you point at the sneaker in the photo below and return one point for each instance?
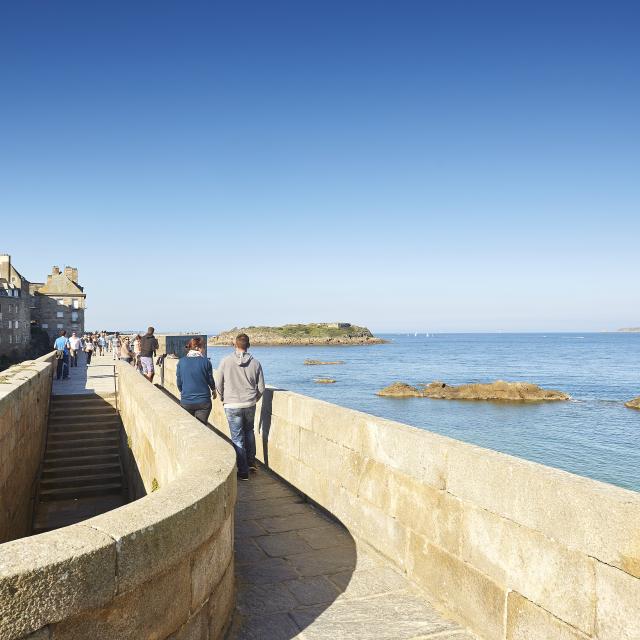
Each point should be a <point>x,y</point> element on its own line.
<point>243,476</point>
<point>253,467</point>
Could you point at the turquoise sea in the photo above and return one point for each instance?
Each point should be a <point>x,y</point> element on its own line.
<point>593,435</point>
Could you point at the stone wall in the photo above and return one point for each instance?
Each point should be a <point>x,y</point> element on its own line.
<point>24,408</point>
<point>160,567</point>
<point>513,549</point>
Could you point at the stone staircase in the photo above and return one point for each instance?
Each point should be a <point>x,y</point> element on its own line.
<point>82,473</point>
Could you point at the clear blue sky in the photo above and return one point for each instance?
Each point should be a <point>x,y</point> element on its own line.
<point>405,165</point>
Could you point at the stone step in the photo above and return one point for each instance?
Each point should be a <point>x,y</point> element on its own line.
<point>64,436</point>
<point>76,443</point>
<point>97,478</point>
<point>82,399</point>
<point>80,469</point>
<point>80,419</point>
<point>92,426</point>
<point>64,452</point>
<point>80,459</point>
<point>81,410</point>
<point>109,488</point>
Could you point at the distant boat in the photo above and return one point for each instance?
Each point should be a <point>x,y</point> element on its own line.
<point>426,335</point>
<point>415,335</point>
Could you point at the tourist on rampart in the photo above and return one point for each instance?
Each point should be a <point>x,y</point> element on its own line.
<point>136,351</point>
<point>240,384</point>
<point>89,348</point>
<point>61,345</point>
<point>102,343</point>
<point>125,350</point>
<point>75,347</point>
<point>194,378</point>
<point>115,345</point>
<point>148,347</point>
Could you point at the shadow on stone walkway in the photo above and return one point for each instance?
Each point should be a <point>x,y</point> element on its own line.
<point>301,575</point>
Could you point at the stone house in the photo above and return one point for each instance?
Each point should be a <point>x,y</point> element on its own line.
<point>58,303</point>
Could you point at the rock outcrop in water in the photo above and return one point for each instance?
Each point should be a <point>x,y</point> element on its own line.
<point>633,404</point>
<point>319,362</point>
<point>300,334</point>
<point>499,391</point>
<point>400,390</point>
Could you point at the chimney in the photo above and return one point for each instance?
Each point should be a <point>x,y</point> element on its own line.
<point>71,273</point>
<point>55,271</point>
<point>5,266</point>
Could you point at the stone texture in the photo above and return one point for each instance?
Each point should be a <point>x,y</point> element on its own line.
<point>276,626</point>
<point>470,595</point>
<point>154,610</point>
<point>221,605</point>
<point>526,621</point>
<point>325,537</point>
<point>209,563</point>
<point>283,544</point>
<point>40,634</point>
<point>270,570</point>
<point>54,575</point>
<point>368,582</point>
<point>196,628</point>
<point>313,590</point>
<point>324,561</point>
<point>559,579</point>
<point>388,617</point>
<point>618,604</point>
<point>306,520</point>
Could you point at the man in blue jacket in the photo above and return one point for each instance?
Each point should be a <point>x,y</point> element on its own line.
<point>195,381</point>
<point>61,345</point>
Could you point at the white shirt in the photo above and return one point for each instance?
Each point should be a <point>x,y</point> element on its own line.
<point>75,343</point>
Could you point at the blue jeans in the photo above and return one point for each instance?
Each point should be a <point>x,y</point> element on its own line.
<point>242,436</point>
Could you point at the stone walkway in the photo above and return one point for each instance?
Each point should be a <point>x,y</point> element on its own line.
<point>301,575</point>
<point>97,378</point>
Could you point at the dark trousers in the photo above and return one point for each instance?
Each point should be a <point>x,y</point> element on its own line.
<point>74,358</point>
<point>201,410</point>
<point>89,354</point>
<point>62,368</point>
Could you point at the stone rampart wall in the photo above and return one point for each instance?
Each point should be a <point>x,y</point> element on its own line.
<point>513,549</point>
<point>25,389</point>
<point>160,567</point>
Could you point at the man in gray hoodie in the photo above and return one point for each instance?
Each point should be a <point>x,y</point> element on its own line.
<point>240,384</point>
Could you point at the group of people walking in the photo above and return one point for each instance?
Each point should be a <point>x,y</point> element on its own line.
<point>238,381</point>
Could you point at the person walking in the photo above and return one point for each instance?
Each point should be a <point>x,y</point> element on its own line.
<point>239,382</point>
<point>148,347</point>
<point>194,377</point>
<point>75,347</point>
<point>125,351</point>
<point>102,343</point>
<point>115,345</point>
<point>136,351</point>
<point>61,345</point>
<point>89,348</point>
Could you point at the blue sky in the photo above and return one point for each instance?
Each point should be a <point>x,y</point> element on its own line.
<point>404,165</point>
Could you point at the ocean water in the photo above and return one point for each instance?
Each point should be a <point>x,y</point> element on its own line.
<point>593,435</point>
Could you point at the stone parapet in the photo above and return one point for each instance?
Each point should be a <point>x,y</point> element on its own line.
<point>511,548</point>
<point>25,389</point>
<point>159,567</point>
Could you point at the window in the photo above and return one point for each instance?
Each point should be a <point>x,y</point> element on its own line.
<point>76,304</point>
<point>60,301</point>
<point>15,324</point>
<point>44,325</point>
<point>9,324</point>
<point>10,338</point>
<point>74,316</point>
<point>60,326</point>
<point>60,314</point>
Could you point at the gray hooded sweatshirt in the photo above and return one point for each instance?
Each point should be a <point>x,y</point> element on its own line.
<point>239,380</point>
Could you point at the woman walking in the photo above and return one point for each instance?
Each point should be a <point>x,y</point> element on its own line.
<point>125,351</point>
<point>195,381</point>
<point>88,347</point>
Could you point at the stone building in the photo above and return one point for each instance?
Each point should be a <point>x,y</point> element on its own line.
<point>59,303</point>
<point>56,304</point>
<point>15,310</point>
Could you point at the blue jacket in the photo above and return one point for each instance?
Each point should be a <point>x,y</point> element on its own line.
<point>195,380</point>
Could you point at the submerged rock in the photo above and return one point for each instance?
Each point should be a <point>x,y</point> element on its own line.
<point>633,404</point>
<point>317,362</point>
<point>324,381</point>
<point>499,390</point>
<point>400,390</point>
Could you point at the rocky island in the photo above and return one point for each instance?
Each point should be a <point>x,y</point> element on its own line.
<point>633,404</point>
<point>315,363</point>
<point>629,330</point>
<point>499,390</point>
<point>338,333</point>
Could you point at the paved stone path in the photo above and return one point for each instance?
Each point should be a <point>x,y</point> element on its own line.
<point>97,378</point>
<point>301,575</point>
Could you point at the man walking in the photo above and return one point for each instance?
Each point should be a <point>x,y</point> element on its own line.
<point>148,347</point>
<point>61,345</point>
<point>240,384</point>
<point>75,346</point>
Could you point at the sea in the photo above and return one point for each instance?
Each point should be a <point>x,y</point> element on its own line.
<point>592,435</point>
